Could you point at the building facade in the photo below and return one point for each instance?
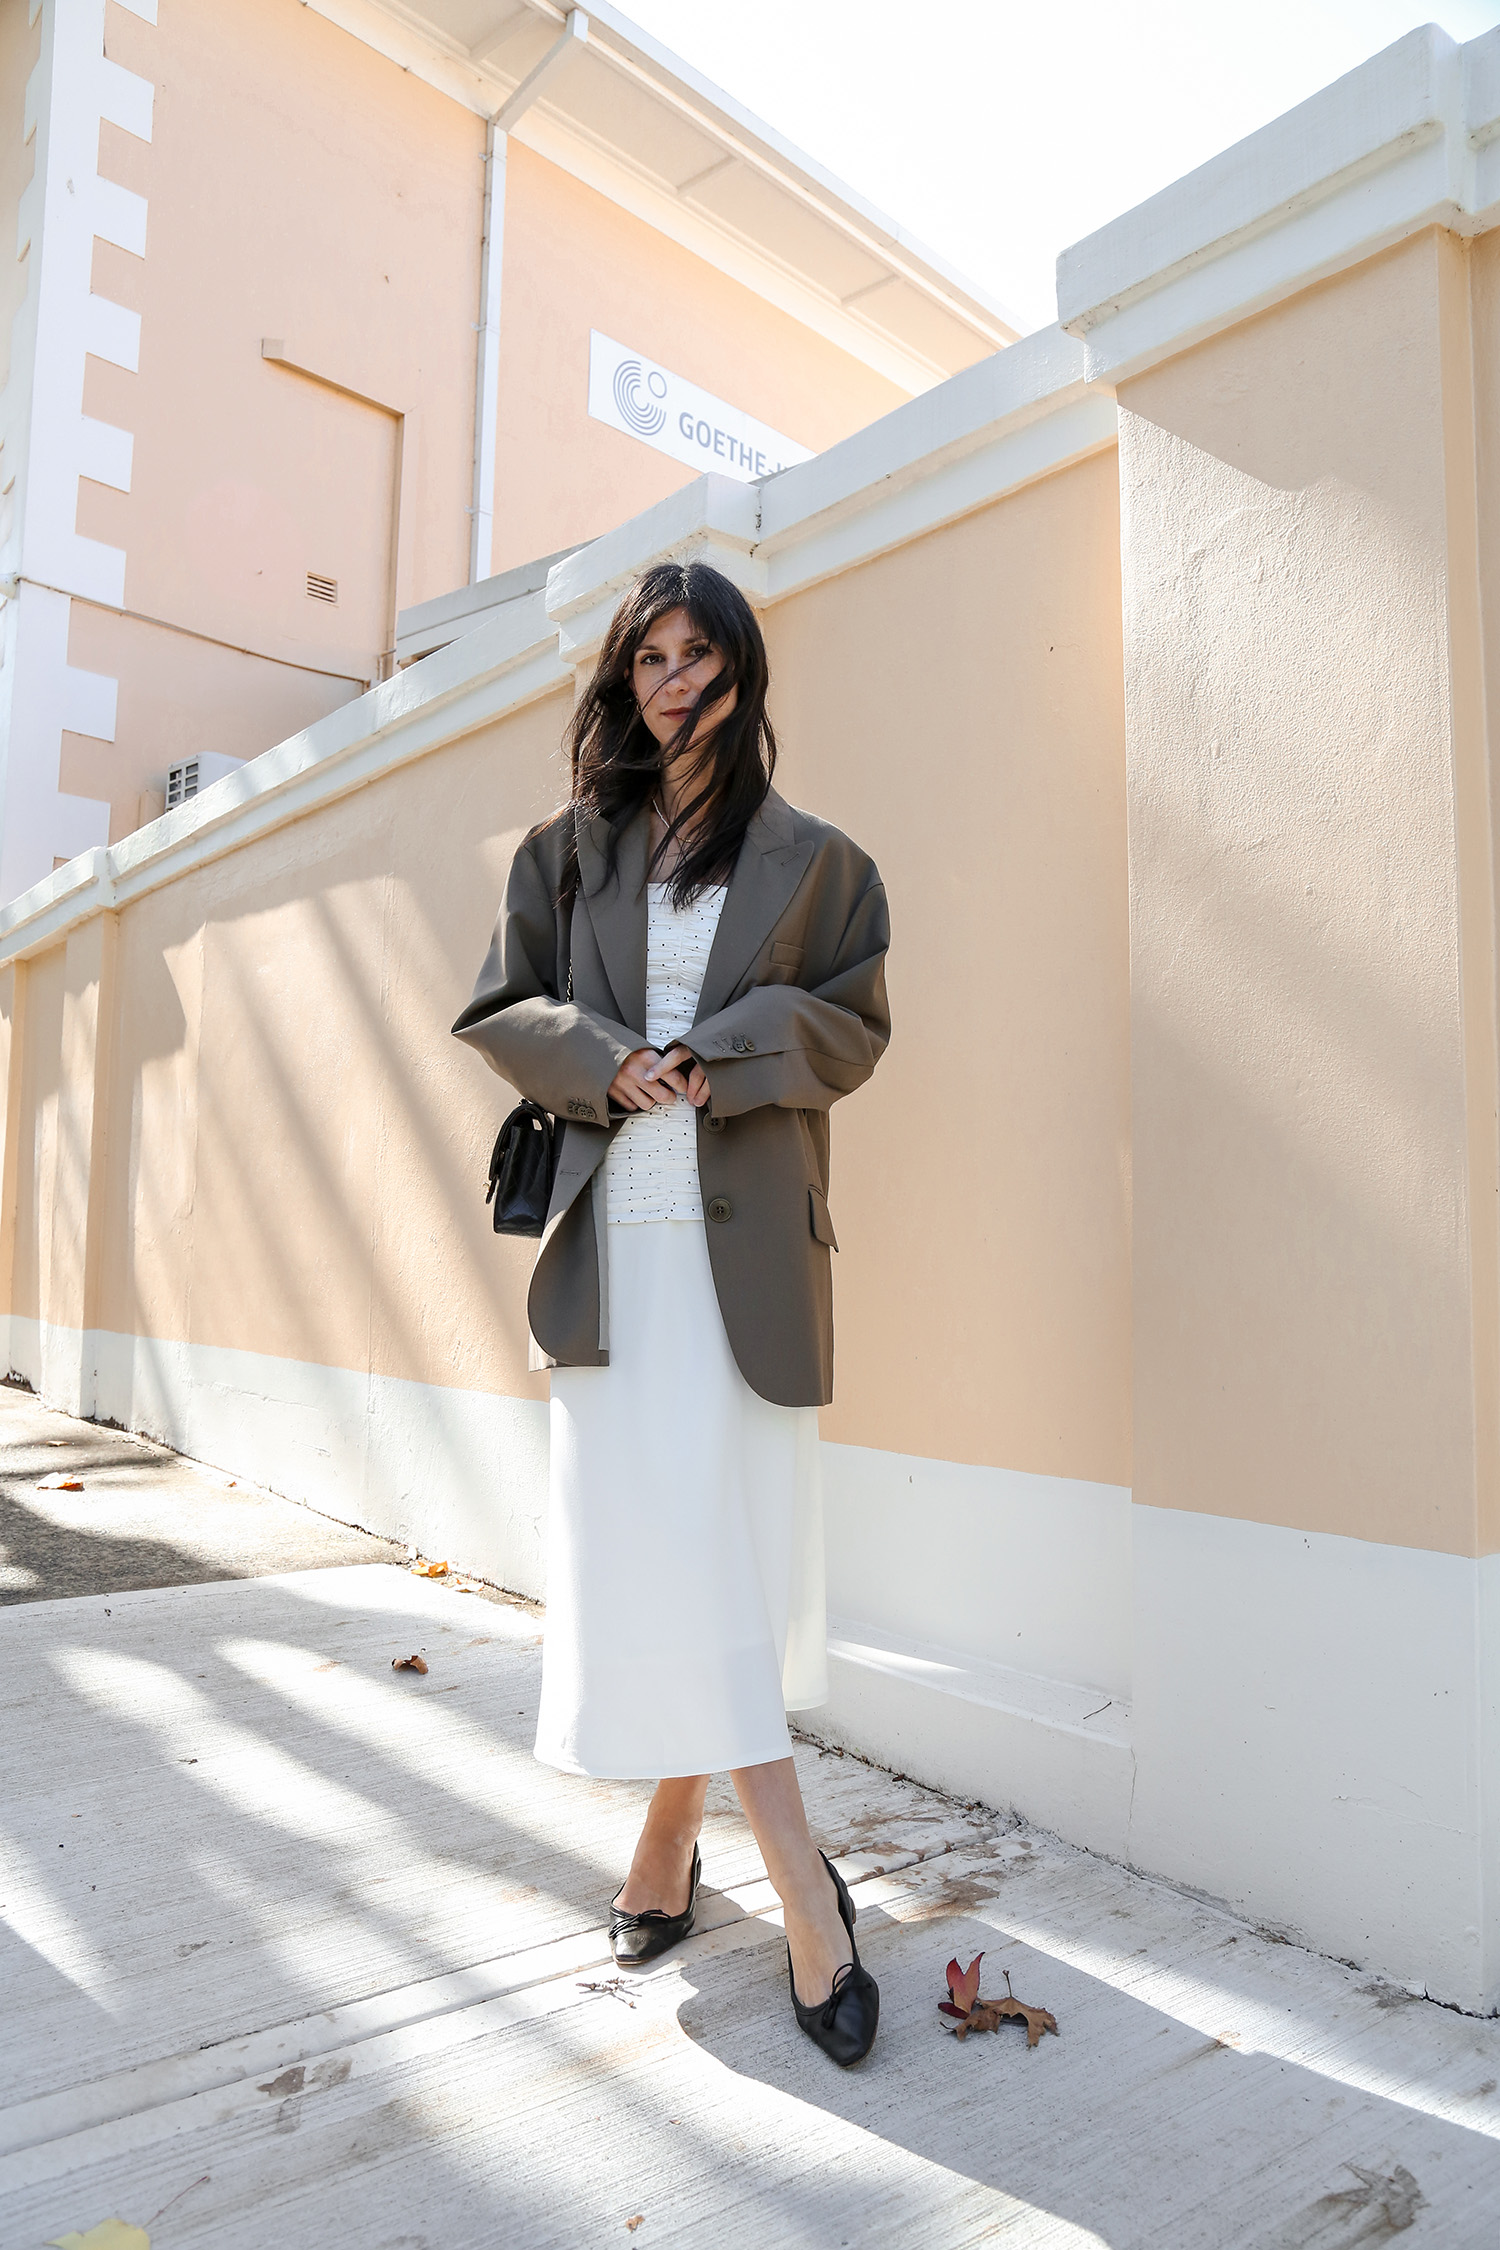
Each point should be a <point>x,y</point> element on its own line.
<point>1163,1469</point>
<point>323,311</point>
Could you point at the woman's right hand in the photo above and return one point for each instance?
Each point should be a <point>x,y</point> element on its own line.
<point>641,1083</point>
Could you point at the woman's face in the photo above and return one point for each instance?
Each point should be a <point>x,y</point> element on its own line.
<point>670,670</point>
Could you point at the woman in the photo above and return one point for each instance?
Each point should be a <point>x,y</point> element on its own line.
<point>689,974</point>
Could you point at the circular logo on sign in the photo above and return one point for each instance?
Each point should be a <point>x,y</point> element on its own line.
<point>634,397</point>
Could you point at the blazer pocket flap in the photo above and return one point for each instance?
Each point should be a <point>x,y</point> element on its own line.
<point>822,1225</point>
<point>786,956</point>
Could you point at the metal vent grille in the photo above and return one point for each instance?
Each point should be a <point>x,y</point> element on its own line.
<point>320,589</point>
<point>182,782</point>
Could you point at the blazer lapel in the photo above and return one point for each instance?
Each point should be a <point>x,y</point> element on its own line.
<point>617,908</point>
<point>770,866</point>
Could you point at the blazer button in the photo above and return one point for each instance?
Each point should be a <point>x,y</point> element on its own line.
<point>738,1044</point>
<point>711,1124</point>
<point>749,1046</point>
<point>720,1209</point>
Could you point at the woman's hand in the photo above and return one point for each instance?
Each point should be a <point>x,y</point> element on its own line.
<point>646,1079</point>
<point>696,1087</point>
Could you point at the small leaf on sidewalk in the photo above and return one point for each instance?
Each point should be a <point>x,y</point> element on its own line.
<point>408,1663</point>
<point>429,1570</point>
<point>60,1481</point>
<point>109,2234</point>
<point>632,2224</point>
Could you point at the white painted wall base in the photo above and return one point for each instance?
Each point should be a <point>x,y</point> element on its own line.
<point>1318,1739</point>
<point>461,1473</point>
<point>1029,1572</point>
<point>1313,1732</point>
<point>1060,1754</point>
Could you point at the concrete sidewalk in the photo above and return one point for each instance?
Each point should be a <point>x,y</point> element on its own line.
<point>302,1950</point>
<point>145,1516</point>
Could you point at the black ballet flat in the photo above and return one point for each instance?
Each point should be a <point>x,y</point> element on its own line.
<point>635,1939</point>
<point>844,2024</point>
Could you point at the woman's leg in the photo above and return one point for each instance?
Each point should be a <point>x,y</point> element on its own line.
<point>772,1802</point>
<point>663,1862</point>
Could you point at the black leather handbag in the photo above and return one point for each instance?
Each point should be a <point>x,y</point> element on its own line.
<point>522,1162</point>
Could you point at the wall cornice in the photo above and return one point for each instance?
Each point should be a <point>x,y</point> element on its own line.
<point>1410,139</point>
<point>1021,415</point>
<point>508,662</point>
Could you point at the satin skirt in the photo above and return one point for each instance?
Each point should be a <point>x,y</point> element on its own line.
<point>685,1580</point>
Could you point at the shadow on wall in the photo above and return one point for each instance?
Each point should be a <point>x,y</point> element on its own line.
<point>327,1195</point>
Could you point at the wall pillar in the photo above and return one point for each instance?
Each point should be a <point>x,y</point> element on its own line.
<point>1314,1074</point>
<point>70,1306</point>
<point>18,1121</point>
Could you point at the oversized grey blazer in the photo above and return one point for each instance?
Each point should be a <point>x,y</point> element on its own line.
<point>792,1015</point>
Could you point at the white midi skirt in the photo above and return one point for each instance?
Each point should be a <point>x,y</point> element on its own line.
<point>685,1593</point>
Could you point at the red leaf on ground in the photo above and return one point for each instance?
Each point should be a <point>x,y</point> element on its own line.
<point>963,1985</point>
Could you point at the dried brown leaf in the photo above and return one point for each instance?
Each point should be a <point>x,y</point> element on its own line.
<point>60,1481</point>
<point>632,2224</point>
<point>988,2015</point>
<point>429,1570</point>
<point>408,1663</point>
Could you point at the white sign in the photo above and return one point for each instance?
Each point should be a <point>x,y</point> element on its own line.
<point>631,393</point>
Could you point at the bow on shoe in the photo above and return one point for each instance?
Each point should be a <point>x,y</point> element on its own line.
<point>635,1939</point>
<point>831,2004</point>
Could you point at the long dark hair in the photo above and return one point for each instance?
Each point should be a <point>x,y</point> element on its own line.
<point>617,762</point>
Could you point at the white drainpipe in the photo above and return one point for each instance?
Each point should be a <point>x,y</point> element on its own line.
<point>491,259</point>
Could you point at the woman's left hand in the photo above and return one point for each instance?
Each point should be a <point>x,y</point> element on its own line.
<point>697,1088</point>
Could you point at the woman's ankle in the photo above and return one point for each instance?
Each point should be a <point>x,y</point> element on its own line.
<point>810,1893</point>
<point>669,1835</point>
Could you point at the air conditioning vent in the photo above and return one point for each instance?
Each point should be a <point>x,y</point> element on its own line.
<point>191,776</point>
<point>320,589</point>
<point>182,782</point>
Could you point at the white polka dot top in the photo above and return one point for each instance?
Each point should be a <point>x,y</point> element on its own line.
<point>651,1171</point>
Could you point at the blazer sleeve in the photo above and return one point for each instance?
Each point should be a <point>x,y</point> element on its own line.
<point>792,1047</point>
<point>551,1050</point>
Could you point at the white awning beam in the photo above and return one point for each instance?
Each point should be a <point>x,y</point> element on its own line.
<point>575,34</point>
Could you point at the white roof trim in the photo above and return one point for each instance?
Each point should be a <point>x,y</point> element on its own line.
<point>759,145</point>
<point>400,32</point>
<point>564,144</point>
